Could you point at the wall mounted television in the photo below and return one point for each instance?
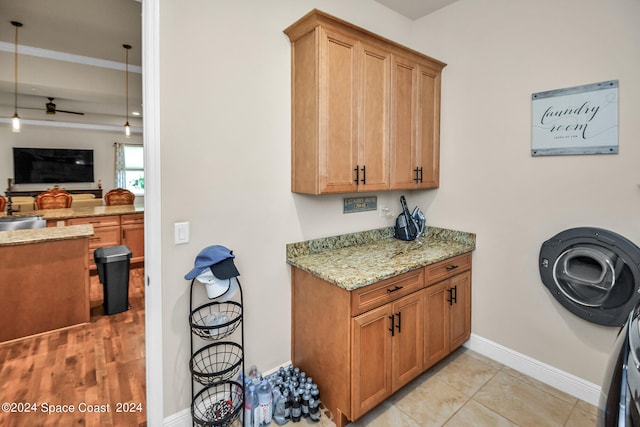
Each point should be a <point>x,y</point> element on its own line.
<point>52,165</point>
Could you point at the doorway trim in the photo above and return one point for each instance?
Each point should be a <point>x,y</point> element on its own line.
<point>152,203</point>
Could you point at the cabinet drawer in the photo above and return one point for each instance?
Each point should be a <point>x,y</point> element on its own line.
<point>132,219</point>
<point>379,293</point>
<point>449,267</point>
<point>97,221</point>
<point>104,236</point>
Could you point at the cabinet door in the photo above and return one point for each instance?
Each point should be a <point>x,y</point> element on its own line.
<point>371,359</point>
<point>403,124</point>
<point>436,323</point>
<point>407,343</point>
<point>337,121</point>
<point>428,128</point>
<point>373,120</point>
<point>460,310</point>
<point>133,235</point>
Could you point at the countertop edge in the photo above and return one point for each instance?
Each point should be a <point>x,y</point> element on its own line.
<point>47,234</point>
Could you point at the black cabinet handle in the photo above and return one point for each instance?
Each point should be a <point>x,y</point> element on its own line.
<point>392,325</point>
<point>364,174</point>
<point>396,289</point>
<point>453,295</point>
<point>421,175</point>
<point>357,170</point>
<point>399,325</point>
<point>416,170</point>
<point>452,267</point>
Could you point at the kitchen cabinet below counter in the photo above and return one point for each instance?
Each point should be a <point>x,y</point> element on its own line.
<point>363,332</point>
<point>45,280</point>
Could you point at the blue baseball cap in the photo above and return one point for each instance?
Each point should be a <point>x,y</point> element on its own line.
<point>218,258</point>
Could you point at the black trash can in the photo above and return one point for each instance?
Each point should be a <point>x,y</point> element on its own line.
<point>112,263</point>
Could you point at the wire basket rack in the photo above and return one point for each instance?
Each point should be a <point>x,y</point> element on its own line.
<point>216,362</point>
<point>217,405</point>
<point>216,320</point>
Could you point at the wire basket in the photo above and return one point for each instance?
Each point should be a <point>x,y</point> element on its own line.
<point>216,320</point>
<point>216,362</point>
<point>218,405</point>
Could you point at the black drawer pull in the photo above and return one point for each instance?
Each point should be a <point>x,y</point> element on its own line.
<point>396,289</point>
<point>357,170</point>
<point>399,325</point>
<point>452,267</point>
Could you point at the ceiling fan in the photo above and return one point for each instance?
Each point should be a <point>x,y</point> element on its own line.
<point>50,108</point>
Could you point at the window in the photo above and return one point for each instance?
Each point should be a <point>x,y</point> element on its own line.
<point>130,168</point>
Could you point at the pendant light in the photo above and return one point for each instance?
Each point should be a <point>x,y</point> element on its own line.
<point>15,120</point>
<point>127,127</point>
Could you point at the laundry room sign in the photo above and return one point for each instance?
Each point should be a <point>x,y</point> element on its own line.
<point>575,120</point>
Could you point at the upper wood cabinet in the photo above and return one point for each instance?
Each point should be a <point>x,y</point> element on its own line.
<point>365,110</point>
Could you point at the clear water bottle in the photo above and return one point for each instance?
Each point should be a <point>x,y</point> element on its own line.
<point>251,407</point>
<point>265,403</point>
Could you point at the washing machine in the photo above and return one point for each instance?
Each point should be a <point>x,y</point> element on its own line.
<point>592,272</point>
<point>619,404</point>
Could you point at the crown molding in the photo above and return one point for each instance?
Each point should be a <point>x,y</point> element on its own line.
<point>68,57</point>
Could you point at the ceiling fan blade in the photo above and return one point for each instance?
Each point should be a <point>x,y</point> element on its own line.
<point>69,112</point>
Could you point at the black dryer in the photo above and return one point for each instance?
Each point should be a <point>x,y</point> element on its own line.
<point>594,273</point>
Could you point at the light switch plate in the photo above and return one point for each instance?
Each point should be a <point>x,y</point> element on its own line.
<point>181,233</point>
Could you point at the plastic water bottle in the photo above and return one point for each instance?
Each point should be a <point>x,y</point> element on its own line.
<point>251,408</point>
<point>296,410</point>
<point>265,403</point>
<point>314,411</point>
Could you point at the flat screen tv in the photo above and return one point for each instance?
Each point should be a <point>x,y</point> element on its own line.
<point>52,165</point>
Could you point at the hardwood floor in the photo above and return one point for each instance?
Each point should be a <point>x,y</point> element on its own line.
<point>86,375</point>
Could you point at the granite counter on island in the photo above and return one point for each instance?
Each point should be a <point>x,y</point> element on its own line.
<point>351,261</point>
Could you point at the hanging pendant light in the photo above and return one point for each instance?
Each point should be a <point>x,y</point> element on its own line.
<point>127,127</point>
<point>15,120</point>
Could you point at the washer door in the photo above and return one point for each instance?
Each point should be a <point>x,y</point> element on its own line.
<point>593,273</point>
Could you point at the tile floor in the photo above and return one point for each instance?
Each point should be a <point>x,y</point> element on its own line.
<point>468,389</point>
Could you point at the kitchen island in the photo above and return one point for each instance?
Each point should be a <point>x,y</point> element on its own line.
<point>112,226</point>
<point>371,312</point>
<point>44,280</point>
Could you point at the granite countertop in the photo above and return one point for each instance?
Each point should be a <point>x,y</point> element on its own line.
<point>38,235</point>
<point>87,211</point>
<point>351,261</point>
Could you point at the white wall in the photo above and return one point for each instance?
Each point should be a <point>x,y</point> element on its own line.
<point>101,142</point>
<point>500,52</point>
<point>225,150</point>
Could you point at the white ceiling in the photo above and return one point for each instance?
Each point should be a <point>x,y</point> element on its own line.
<point>72,50</point>
<point>414,9</point>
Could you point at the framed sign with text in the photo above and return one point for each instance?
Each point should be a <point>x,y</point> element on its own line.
<point>575,120</point>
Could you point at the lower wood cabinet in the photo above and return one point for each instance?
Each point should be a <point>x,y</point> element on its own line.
<point>387,351</point>
<point>132,227</point>
<point>113,230</point>
<point>361,346</point>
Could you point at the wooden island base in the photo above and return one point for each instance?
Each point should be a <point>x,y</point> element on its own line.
<point>43,286</point>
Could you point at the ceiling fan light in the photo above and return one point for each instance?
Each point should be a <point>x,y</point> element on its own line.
<point>15,123</point>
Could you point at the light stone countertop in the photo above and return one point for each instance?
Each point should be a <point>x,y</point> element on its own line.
<point>46,234</point>
<point>354,260</point>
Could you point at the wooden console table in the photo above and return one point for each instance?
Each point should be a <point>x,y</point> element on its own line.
<point>33,193</point>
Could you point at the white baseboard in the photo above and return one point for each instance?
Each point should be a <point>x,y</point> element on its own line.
<point>179,419</point>
<point>563,381</point>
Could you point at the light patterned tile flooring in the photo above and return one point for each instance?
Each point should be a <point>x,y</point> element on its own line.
<point>468,389</point>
